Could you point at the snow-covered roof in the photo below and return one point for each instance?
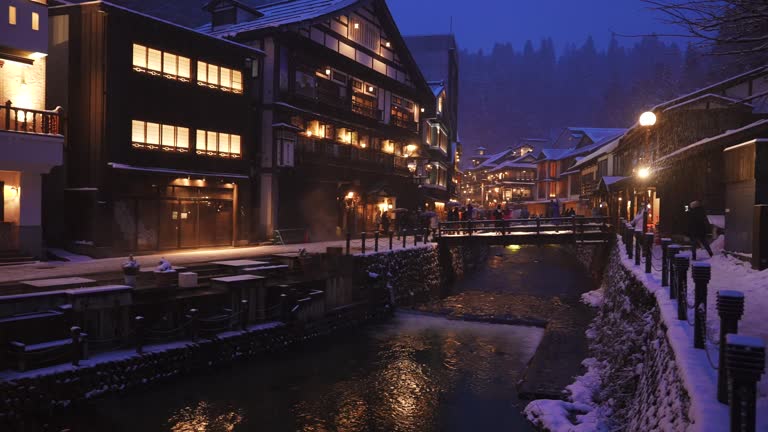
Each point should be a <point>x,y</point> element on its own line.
<point>282,13</point>
<point>599,134</point>
<point>712,87</point>
<point>611,146</point>
<point>136,12</point>
<point>513,164</point>
<point>554,153</point>
<point>726,99</point>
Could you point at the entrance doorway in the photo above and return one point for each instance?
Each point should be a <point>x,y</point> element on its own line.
<point>190,223</point>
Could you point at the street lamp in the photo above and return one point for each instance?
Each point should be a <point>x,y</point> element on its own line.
<point>644,172</point>
<point>647,119</point>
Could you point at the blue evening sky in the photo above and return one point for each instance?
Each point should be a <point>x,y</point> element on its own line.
<point>479,23</point>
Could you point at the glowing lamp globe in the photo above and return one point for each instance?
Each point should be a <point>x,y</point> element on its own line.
<point>644,173</point>
<point>647,119</point>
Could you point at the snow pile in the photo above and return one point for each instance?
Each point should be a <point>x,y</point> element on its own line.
<point>630,382</point>
<point>594,298</point>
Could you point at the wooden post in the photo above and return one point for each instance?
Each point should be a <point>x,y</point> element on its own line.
<point>349,240</point>
<point>682,262</point>
<point>244,314</point>
<point>573,224</point>
<point>75,333</point>
<point>405,235</point>
<point>139,322</point>
<point>391,237</point>
<point>701,273</point>
<point>665,242</point>
<point>730,308</point>
<point>745,362</point>
<point>362,241</point>
<point>648,243</point>
<point>194,324</point>
<point>376,241</point>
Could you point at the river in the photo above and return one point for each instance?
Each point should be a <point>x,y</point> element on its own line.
<point>415,372</point>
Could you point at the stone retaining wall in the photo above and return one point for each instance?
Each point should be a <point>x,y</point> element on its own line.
<point>633,382</point>
<point>40,396</point>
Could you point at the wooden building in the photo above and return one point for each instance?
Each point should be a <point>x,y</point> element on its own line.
<point>661,169</point>
<point>438,59</point>
<point>501,177</point>
<point>344,125</point>
<point>163,133</point>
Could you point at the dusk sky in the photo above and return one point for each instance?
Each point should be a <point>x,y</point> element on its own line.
<point>479,23</point>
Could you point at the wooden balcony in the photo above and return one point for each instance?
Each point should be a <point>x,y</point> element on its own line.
<point>323,152</point>
<point>25,120</point>
<point>588,188</point>
<point>405,124</point>
<point>368,111</point>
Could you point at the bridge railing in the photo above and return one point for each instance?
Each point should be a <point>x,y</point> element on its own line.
<point>539,226</point>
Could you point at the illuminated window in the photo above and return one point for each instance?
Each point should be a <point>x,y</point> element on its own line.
<point>156,62</point>
<point>218,144</point>
<point>35,21</point>
<point>155,136</point>
<point>218,77</point>
<point>12,15</point>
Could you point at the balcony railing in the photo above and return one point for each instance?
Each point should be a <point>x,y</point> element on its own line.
<point>18,119</point>
<point>588,188</point>
<point>404,123</point>
<point>321,151</point>
<point>365,110</point>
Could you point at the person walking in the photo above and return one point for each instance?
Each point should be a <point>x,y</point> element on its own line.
<point>498,216</point>
<point>385,222</point>
<point>698,226</point>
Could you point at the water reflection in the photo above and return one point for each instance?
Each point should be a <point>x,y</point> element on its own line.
<point>204,417</point>
<point>415,373</point>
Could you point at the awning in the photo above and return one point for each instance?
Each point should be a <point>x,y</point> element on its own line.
<point>612,183</point>
<point>175,172</point>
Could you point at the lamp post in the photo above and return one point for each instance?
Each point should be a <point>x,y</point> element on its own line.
<point>647,120</point>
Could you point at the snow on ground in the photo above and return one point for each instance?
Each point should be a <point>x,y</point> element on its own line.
<point>700,378</point>
<point>54,269</point>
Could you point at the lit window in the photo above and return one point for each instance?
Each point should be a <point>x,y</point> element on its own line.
<point>219,144</point>
<point>35,21</point>
<point>155,62</point>
<point>218,77</point>
<point>154,136</point>
<point>12,15</point>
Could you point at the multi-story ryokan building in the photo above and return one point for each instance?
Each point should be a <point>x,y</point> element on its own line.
<point>31,141</point>
<point>438,58</point>
<point>345,116</point>
<point>161,130</point>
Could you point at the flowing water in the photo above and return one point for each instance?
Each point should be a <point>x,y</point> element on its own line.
<point>415,372</point>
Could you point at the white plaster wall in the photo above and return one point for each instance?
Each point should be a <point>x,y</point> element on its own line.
<point>23,85</point>
<point>21,36</point>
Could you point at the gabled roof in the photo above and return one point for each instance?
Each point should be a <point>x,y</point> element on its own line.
<point>513,164</point>
<point>211,5</point>
<point>600,134</point>
<point>437,88</point>
<point>553,153</point>
<point>714,88</point>
<point>710,97</point>
<point>282,13</point>
<point>119,4</point>
<point>597,153</point>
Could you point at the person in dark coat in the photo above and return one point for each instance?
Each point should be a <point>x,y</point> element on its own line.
<point>498,216</point>
<point>385,222</point>
<point>698,226</point>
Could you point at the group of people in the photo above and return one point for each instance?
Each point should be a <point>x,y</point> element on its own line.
<point>405,221</point>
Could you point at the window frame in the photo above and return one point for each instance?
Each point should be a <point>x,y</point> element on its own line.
<point>145,66</point>
<point>143,142</point>
<point>215,149</point>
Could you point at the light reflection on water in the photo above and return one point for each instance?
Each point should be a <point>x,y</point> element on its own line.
<point>414,373</point>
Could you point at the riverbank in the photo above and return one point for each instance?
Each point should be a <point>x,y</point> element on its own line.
<point>643,372</point>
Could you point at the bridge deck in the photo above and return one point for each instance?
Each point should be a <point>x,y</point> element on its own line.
<point>525,231</point>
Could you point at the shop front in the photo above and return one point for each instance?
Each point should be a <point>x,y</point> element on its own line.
<point>156,213</point>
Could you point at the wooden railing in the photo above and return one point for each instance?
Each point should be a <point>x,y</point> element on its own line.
<point>404,123</point>
<point>322,151</point>
<point>536,228</point>
<point>365,110</point>
<point>18,119</point>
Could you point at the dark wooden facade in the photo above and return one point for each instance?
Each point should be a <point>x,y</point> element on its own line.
<point>128,194</point>
<point>345,117</point>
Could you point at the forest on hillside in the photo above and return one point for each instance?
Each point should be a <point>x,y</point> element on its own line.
<point>508,94</point>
